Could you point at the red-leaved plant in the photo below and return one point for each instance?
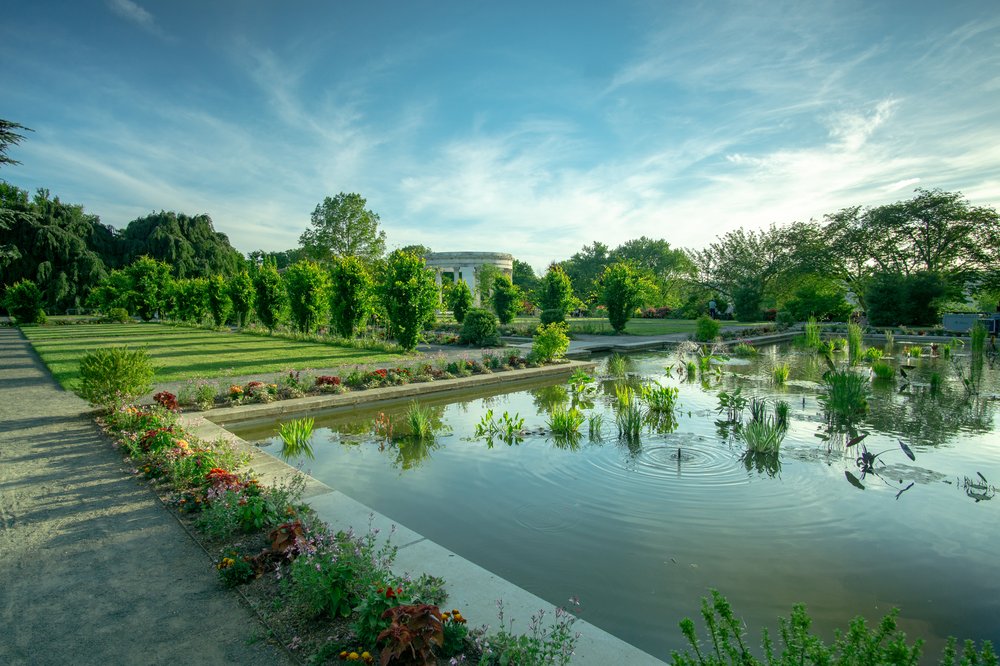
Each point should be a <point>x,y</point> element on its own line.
<point>414,631</point>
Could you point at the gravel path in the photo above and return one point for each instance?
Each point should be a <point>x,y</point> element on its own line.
<point>93,570</point>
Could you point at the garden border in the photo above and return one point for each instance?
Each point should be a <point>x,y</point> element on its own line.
<point>471,587</point>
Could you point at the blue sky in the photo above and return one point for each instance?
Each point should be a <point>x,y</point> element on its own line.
<point>526,127</point>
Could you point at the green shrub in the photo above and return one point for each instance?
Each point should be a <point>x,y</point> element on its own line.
<point>746,303</point>
<point>352,292</point>
<point>553,316</point>
<point>480,328</point>
<point>308,288</point>
<point>550,342</point>
<point>23,301</point>
<point>506,299</point>
<point>459,300</point>
<point>115,376</point>
<point>706,329</point>
<point>271,297</point>
<point>784,319</point>
<point>623,289</point>
<point>818,297</point>
<point>409,296</point>
<point>118,316</point>
<point>556,292</point>
<point>860,645</point>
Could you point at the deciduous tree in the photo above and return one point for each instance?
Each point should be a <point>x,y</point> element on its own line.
<point>341,226</point>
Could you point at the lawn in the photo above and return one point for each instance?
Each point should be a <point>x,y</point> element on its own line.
<point>181,353</point>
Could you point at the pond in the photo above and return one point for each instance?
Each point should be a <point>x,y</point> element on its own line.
<point>641,529</point>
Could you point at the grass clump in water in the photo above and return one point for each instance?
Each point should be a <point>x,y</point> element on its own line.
<point>619,366</point>
<point>763,436</point>
<point>660,398</point>
<point>566,422</point>
<point>779,373</point>
<point>420,420</point>
<point>812,333</point>
<point>854,346</point>
<point>629,414</point>
<point>883,370</point>
<point>846,394</point>
<point>296,436</point>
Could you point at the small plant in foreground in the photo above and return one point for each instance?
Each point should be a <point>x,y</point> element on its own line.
<point>413,633</point>
<point>295,435</point>
<point>883,370</point>
<point>421,425</point>
<point>660,398</point>
<point>507,429</point>
<point>846,394</point>
<point>234,570</point>
<point>873,354</point>
<point>115,376</point>
<point>552,644</point>
<point>629,415</point>
<point>565,422</point>
<point>744,350</point>
<point>854,344</point>
<point>763,435</point>
<point>167,400</point>
<point>706,329</point>
<point>779,373</point>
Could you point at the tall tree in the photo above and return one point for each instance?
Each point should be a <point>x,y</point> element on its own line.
<point>242,295</point>
<point>343,227</point>
<point>10,136</point>
<point>506,299</point>
<point>149,285</point>
<point>272,299</point>
<point>191,245</point>
<point>409,296</point>
<point>585,267</point>
<point>556,295</point>
<point>623,289</point>
<point>525,278</point>
<point>351,295</point>
<point>308,287</point>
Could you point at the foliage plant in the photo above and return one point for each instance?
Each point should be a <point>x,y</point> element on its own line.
<point>543,644</point>
<point>550,342</point>
<point>421,422</point>
<point>854,343</point>
<point>629,415</point>
<point>813,339</point>
<point>115,376</point>
<point>234,570</point>
<point>480,328</point>
<point>873,354</point>
<point>744,350</point>
<point>845,394</point>
<point>660,398</point>
<point>706,329</point>
<point>220,304</point>
<point>414,633</point>
<point>623,289</point>
<point>308,289</point>
<point>977,347</point>
<point>507,428</point>
<point>23,301</point>
<point>565,422</point>
<point>779,373</point>
<point>595,427</point>
<point>370,615</point>
<point>506,299</point>
<point>732,404</point>
<point>244,505</point>
<point>619,365</point>
<point>271,296</point>
<point>781,413</point>
<point>883,370</point>
<point>556,294</point>
<point>763,435</point>
<point>460,300</point>
<point>409,296</point>
<point>242,296</point>
<point>118,316</point>
<point>352,293</point>
<point>295,436</point>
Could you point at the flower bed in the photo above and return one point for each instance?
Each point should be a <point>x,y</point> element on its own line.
<point>328,596</point>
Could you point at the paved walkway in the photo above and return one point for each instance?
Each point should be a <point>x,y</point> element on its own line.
<point>93,570</point>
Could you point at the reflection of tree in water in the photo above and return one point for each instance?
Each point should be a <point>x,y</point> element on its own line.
<point>548,398</point>
<point>928,418</point>
<point>412,452</point>
<point>762,463</point>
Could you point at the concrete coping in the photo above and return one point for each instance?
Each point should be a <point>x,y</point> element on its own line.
<point>471,588</point>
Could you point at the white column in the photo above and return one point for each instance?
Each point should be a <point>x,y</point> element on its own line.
<point>469,277</point>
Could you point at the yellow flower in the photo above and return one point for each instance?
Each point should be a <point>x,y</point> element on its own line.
<point>343,654</point>
<point>182,444</point>
<point>354,656</point>
<point>367,656</point>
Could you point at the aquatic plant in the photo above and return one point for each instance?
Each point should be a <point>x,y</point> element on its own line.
<point>889,340</point>
<point>978,349</point>
<point>854,344</point>
<point>758,408</point>
<point>745,350</point>
<point>812,333</point>
<point>295,436</point>
<point>629,414</point>
<point>565,422</point>
<point>619,365</point>
<point>660,398</point>
<point>936,382</point>
<point>839,344</point>
<point>763,435</point>
<point>846,394</point>
<point>779,373</point>
<point>873,354</point>
<point>732,404</point>
<point>692,369</point>
<point>507,428</point>
<point>782,410</point>
<point>883,370</point>
<point>913,352</point>
<point>826,347</point>
<point>420,420</point>
<point>595,427</point>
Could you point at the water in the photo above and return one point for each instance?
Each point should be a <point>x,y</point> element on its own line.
<point>640,532</point>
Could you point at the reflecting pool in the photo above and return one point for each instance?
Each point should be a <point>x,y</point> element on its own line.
<point>640,529</point>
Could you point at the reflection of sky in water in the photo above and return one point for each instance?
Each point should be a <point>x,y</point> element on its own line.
<point>641,536</point>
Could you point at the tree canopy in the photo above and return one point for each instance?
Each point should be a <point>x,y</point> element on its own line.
<point>343,227</point>
<point>10,136</point>
<point>191,245</point>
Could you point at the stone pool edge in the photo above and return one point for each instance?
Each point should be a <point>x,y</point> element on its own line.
<point>471,588</point>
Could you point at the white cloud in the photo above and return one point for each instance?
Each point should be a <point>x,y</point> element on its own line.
<point>131,11</point>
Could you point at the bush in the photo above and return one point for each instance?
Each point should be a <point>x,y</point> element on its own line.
<point>551,342</point>
<point>409,296</point>
<point>746,303</point>
<point>480,328</point>
<point>506,299</point>
<point>351,295</point>
<point>706,329</point>
<point>115,376</point>
<point>908,300</point>
<point>555,316</point>
<point>556,292</point>
<point>118,316</point>
<point>622,291</point>
<point>823,299</point>
<point>308,288</point>
<point>460,300</point>
<point>24,302</point>
<point>784,319</point>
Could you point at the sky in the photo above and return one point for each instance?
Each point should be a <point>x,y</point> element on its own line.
<point>532,128</point>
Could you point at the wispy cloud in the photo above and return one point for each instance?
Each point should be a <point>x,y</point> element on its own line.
<point>131,11</point>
